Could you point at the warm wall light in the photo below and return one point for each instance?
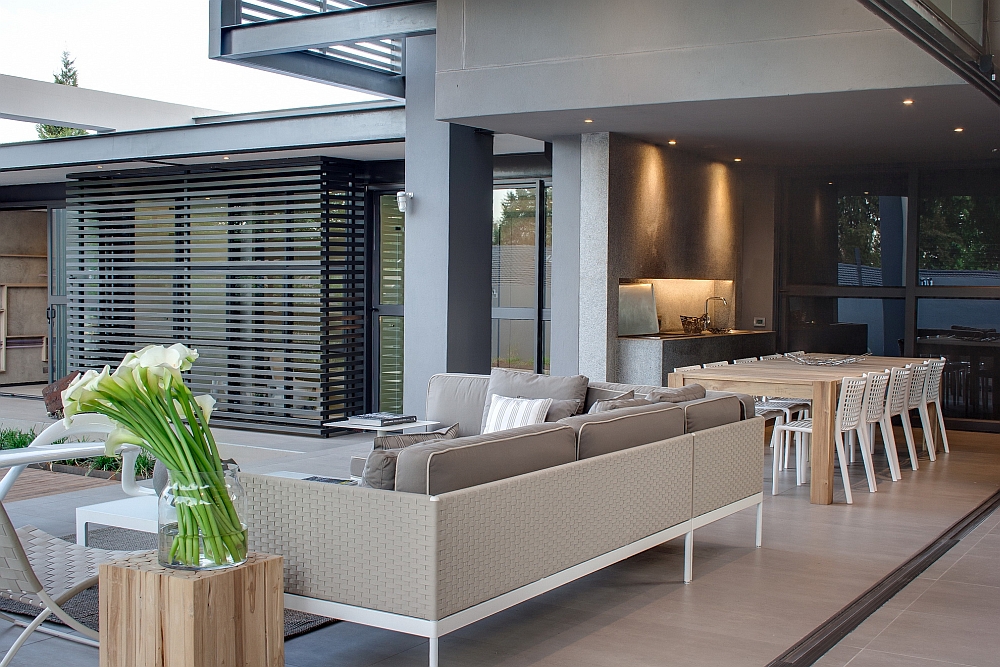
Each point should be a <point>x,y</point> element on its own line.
<point>960,129</point>
<point>907,102</point>
<point>588,120</point>
<point>672,142</point>
<point>737,159</point>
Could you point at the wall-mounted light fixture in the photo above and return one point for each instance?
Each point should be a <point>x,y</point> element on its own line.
<point>403,200</point>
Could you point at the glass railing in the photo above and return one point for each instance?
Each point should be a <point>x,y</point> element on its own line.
<point>966,15</point>
<point>384,55</point>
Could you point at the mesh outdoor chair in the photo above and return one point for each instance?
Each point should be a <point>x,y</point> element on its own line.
<point>681,369</point>
<point>747,360</point>
<point>932,394</point>
<point>44,571</point>
<point>918,387</point>
<point>897,396</point>
<point>715,364</point>
<point>771,356</point>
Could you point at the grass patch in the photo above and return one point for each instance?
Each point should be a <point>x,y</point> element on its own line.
<point>12,438</point>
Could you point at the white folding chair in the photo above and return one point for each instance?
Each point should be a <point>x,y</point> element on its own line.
<point>771,356</point>
<point>897,396</point>
<point>66,569</point>
<point>715,364</point>
<point>918,384</point>
<point>747,360</point>
<point>873,412</point>
<point>852,391</point>
<point>788,354</point>
<point>932,394</point>
<point>681,369</point>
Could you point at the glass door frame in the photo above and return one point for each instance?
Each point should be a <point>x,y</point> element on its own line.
<point>374,309</point>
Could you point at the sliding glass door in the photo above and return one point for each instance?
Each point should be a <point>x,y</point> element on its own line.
<point>387,305</point>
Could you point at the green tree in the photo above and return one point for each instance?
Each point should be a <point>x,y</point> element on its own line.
<point>516,224</point>
<point>960,233</point>
<point>67,76</point>
<point>858,227</point>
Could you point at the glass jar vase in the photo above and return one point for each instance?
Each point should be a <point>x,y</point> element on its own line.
<point>200,520</point>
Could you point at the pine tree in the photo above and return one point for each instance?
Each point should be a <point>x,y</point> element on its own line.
<point>67,76</point>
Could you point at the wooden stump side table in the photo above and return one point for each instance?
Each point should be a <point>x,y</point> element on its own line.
<point>152,616</point>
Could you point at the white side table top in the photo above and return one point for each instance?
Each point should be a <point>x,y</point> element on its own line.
<point>382,429</point>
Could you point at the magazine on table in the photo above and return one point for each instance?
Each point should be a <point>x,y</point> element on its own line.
<point>382,419</point>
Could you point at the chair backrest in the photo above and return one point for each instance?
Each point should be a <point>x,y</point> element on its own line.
<point>874,404</point>
<point>932,388</point>
<point>788,354</point>
<point>918,378</point>
<point>681,369</point>
<point>852,394</point>
<point>83,424</point>
<point>748,360</point>
<point>771,356</point>
<point>715,364</point>
<point>898,392</point>
<point>15,568</point>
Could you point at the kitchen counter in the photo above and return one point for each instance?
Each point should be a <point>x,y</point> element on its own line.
<point>649,359</point>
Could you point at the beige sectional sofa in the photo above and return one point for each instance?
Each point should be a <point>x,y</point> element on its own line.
<point>482,522</point>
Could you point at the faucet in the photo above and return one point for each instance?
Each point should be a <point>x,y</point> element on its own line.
<point>708,320</point>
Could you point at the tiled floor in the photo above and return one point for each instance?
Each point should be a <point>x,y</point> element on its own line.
<point>745,606</point>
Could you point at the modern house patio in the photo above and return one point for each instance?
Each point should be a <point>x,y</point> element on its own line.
<point>745,606</point>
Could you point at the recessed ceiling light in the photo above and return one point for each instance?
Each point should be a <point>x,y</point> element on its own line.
<point>866,192</point>
<point>588,120</point>
<point>960,129</point>
<point>829,183</point>
<point>907,102</point>
<point>672,142</point>
<point>737,159</point>
<point>100,167</point>
<point>225,157</point>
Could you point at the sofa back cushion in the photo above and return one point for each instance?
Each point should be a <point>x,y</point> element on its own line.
<point>710,412</point>
<point>612,431</point>
<point>690,392</point>
<point>457,397</point>
<point>448,465</point>
<point>519,384</point>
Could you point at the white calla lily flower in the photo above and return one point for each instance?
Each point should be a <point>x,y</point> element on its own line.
<point>207,405</point>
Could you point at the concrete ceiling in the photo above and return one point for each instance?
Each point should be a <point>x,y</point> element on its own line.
<point>854,127</point>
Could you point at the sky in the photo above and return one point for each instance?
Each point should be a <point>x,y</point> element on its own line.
<point>157,50</point>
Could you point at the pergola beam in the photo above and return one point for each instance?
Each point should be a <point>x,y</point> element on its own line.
<point>369,24</point>
<point>314,67</point>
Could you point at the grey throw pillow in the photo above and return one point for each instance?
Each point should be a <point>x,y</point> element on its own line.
<point>595,394</point>
<point>504,382</point>
<point>406,439</point>
<point>380,469</point>
<point>562,408</point>
<point>616,403</point>
<point>690,392</point>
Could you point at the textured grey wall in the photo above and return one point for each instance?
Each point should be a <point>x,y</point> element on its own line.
<point>449,170</point>
<point>647,211</point>
<point>565,339</point>
<point>591,54</point>
<point>755,287</point>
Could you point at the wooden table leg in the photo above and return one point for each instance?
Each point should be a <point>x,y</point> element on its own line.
<point>823,449</point>
<point>675,380</point>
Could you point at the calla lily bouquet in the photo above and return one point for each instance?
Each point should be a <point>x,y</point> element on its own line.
<point>150,406</point>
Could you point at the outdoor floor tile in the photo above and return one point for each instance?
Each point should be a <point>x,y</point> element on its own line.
<point>347,645</point>
<point>965,640</point>
<point>839,656</point>
<point>970,569</point>
<point>55,651</point>
<point>988,546</point>
<point>960,600</point>
<point>874,625</point>
<point>870,658</point>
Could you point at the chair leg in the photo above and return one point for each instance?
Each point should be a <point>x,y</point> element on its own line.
<point>925,425</point>
<point>23,637</point>
<point>850,444</point>
<point>776,461</point>
<point>798,462</point>
<point>911,444</point>
<point>842,458</point>
<point>889,440</point>
<point>866,456</point>
<point>944,433</point>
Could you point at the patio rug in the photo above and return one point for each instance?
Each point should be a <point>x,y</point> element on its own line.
<point>84,607</point>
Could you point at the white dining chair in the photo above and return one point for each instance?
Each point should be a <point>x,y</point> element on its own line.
<point>932,394</point>
<point>852,391</point>
<point>771,356</point>
<point>681,369</point>
<point>918,384</point>
<point>896,400</point>
<point>747,360</point>
<point>715,364</point>
<point>873,412</point>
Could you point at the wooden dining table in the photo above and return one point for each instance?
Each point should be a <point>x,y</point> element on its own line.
<point>786,378</point>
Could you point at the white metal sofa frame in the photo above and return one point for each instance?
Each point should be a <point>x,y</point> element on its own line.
<point>435,564</point>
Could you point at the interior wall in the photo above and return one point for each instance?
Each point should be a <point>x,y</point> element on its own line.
<point>648,212</point>
<point>24,270</point>
<point>755,287</point>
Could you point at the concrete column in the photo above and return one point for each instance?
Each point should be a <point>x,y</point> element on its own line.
<point>449,170</point>
<point>599,321</point>
<point>755,286</point>
<point>891,229</point>
<point>565,336</point>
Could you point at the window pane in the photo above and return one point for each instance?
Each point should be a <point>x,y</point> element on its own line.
<point>963,331</point>
<point>391,237</point>
<point>960,240</point>
<point>547,221</point>
<point>514,344</point>
<point>845,326</point>
<point>514,248</point>
<point>547,347</point>
<point>390,380</point>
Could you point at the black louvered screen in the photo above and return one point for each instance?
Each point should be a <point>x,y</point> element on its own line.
<point>261,268</point>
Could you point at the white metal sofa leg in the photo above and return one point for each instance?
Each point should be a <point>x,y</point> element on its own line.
<point>760,524</point>
<point>432,652</point>
<point>688,556</point>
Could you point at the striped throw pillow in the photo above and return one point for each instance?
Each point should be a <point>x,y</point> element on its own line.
<point>506,412</point>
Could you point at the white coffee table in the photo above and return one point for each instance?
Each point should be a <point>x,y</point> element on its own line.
<point>138,513</point>
<point>382,430</point>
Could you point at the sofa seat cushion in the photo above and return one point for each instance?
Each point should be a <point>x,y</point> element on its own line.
<point>506,412</point>
<point>710,412</point>
<point>447,465</point>
<point>506,382</point>
<point>401,440</point>
<point>623,428</point>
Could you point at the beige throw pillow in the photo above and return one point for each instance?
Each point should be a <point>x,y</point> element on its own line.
<point>506,412</point>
